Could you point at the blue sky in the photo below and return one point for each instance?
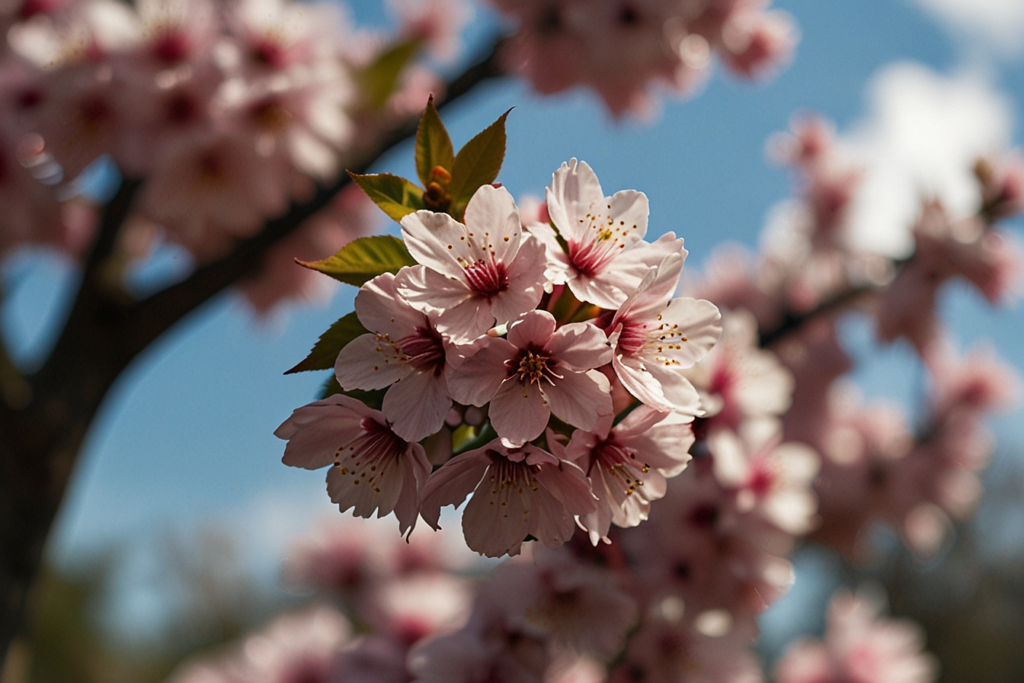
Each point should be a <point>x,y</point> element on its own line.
<point>187,436</point>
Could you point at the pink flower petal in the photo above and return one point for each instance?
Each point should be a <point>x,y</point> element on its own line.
<point>494,208</point>
<point>417,405</point>
<point>368,362</point>
<point>381,308</point>
<point>451,483</point>
<point>429,235</point>
<point>580,345</point>
<point>580,399</point>
<point>315,431</point>
<point>519,412</point>
<point>477,378</point>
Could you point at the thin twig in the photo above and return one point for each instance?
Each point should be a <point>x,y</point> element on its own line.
<point>794,322</point>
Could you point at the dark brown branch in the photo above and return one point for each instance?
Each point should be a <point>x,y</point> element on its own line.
<point>109,228</point>
<point>158,313</point>
<point>41,437</point>
<point>794,322</point>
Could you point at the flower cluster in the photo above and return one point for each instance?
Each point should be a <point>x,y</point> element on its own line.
<point>859,645</point>
<point>518,337</point>
<point>220,116</point>
<point>403,592</point>
<point>223,113</point>
<point>545,367</point>
<point>625,50</point>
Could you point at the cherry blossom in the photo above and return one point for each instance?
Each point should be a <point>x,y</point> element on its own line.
<point>773,477</point>
<point>404,352</point>
<point>975,383</point>
<point>624,51</point>
<point>946,248</point>
<point>438,23</point>
<point>627,465</point>
<point>576,605</point>
<point>488,649</point>
<point>350,215</point>
<point>737,381</point>
<point>538,371</point>
<point>605,257</point>
<point>295,647</point>
<point>654,338</point>
<point>517,492</point>
<point>670,648</point>
<point>210,191</point>
<point>859,645</point>
<point>359,445</point>
<point>173,34</point>
<point>473,275</point>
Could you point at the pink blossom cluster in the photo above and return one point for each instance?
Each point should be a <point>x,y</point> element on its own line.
<point>227,112</point>
<point>374,601</point>
<point>627,50</point>
<point>689,439</point>
<point>859,645</point>
<point>680,592</point>
<point>546,369</point>
<point>876,467</point>
<point>521,337</point>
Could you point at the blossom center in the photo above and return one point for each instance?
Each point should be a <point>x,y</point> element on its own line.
<point>620,463</point>
<point>533,368</point>
<point>423,350</point>
<point>486,277</point>
<point>590,258</point>
<point>367,457</point>
<point>507,478</point>
<point>604,239</point>
<point>632,337</point>
<point>761,480</point>
<point>172,46</point>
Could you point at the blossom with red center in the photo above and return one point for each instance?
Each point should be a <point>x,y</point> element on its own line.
<point>605,257</point>
<point>473,275</point>
<point>516,492</point>
<point>859,646</point>
<point>209,190</point>
<point>655,338</point>
<point>627,465</point>
<point>534,373</point>
<point>402,351</point>
<point>739,382</point>
<point>975,383</point>
<point>776,479</point>
<point>372,468</point>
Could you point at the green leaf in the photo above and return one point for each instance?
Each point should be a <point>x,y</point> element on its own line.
<point>378,80</point>
<point>364,259</point>
<point>330,344</point>
<point>433,146</point>
<point>477,163</point>
<point>396,196</point>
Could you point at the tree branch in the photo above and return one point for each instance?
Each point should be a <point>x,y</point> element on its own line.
<point>41,438</point>
<point>794,322</point>
<point>153,316</point>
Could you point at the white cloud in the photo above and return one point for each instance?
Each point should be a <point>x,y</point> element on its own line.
<point>986,24</point>
<point>919,139</point>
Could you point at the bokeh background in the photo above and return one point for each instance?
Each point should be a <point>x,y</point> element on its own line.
<point>181,512</point>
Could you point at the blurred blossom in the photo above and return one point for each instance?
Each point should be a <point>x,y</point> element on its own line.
<point>859,645</point>
<point>294,647</point>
